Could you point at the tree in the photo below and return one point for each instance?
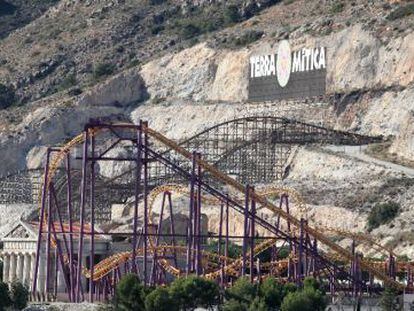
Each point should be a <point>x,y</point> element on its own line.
<point>5,300</point>
<point>160,300</point>
<point>308,299</point>
<point>289,288</point>
<point>310,282</point>
<point>242,290</point>
<point>389,299</point>
<point>193,291</point>
<point>258,304</point>
<point>129,292</point>
<point>19,295</point>
<point>272,292</point>
<point>7,96</point>
<point>234,305</point>
<point>296,301</point>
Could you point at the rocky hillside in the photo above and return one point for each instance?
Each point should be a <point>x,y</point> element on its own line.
<point>149,59</point>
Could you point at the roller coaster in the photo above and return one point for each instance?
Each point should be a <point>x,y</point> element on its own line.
<point>275,236</point>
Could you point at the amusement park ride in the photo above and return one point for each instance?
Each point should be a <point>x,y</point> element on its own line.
<point>200,169</point>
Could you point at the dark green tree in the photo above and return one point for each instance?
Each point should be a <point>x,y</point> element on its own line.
<point>258,304</point>
<point>5,300</point>
<point>389,299</point>
<point>242,290</point>
<point>296,301</point>
<point>160,300</point>
<point>234,305</point>
<point>272,292</point>
<point>193,292</point>
<point>129,294</point>
<point>19,295</point>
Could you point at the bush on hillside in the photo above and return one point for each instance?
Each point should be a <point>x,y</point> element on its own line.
<point>231,14</point>
<point>19,295</point>
<point>244,39</point>
<point>401,12</point>
<point>7,96</point>
<point>103,69</point>
<point>382,213</point>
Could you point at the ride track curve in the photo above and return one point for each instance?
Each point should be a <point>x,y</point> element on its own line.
<point>227,180</point>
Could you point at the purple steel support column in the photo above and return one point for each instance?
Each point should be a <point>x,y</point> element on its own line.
<point>198,221</point>
<point>42,215</point>
<point>353,269</point>
<point>300,252</point>
<point>252,237</point>
<point>48,245</point>
<point>172,228</point>
<point>157,240</point>
<point>92,225</point>
<point>226,250</point>
<point>190,217</point>
<point>137,185</point>
<point>220,229</point>
<point>69,205</point>
<point>56,274</point>
<point>82,214</point>
<point>145,125</point>
<point>245,232</point>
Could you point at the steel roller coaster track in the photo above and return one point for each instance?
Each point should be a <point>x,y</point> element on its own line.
<point>157,256</point>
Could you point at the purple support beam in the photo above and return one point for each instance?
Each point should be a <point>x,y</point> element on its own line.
<point>82,214</point>
<point>220,229</point>
<point>157,241</point>
<point>252,237</point>
<point>172,228</point>
<point>42,215</point>
<point>48,245</point>
<point>198,221</point>
<point>71,251</point>
<point>190,217</point>
<point>92,225</point>
<point>137,192</point>
<point>226,250</point>
<point>245,229</point>
<point>145,125</point>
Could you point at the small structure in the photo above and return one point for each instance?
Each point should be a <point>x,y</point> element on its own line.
<point>19,256</point>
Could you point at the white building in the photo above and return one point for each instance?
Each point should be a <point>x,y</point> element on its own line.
<point>19,257</point>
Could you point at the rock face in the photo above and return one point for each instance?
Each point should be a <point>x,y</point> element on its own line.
<point>122,89</point>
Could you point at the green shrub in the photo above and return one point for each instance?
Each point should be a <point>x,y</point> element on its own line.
<point>5,300</point>
<point>258,304</point>
<point>289,288</point>
<point>234,305</point>
<point>128,294</point>
<point>19,295</point>
<point>337,7</point>
<point>296,301</point>
<point>401,12</point>
<point>160,300</point>
<point>234,250</point>
<point>193,291</point>
<point>231,14</point>
<point>246,38</point>
<point>242,290</point>
<point>272,292</point>
<point>103,69</point>
<point>310,282</point>
<point>7,96</point>
<point>67,82</point>
<point>382,214</point>
<point>388,299</point>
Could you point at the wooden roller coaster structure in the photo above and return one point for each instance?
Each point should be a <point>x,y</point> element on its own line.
<point>158,255</point>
